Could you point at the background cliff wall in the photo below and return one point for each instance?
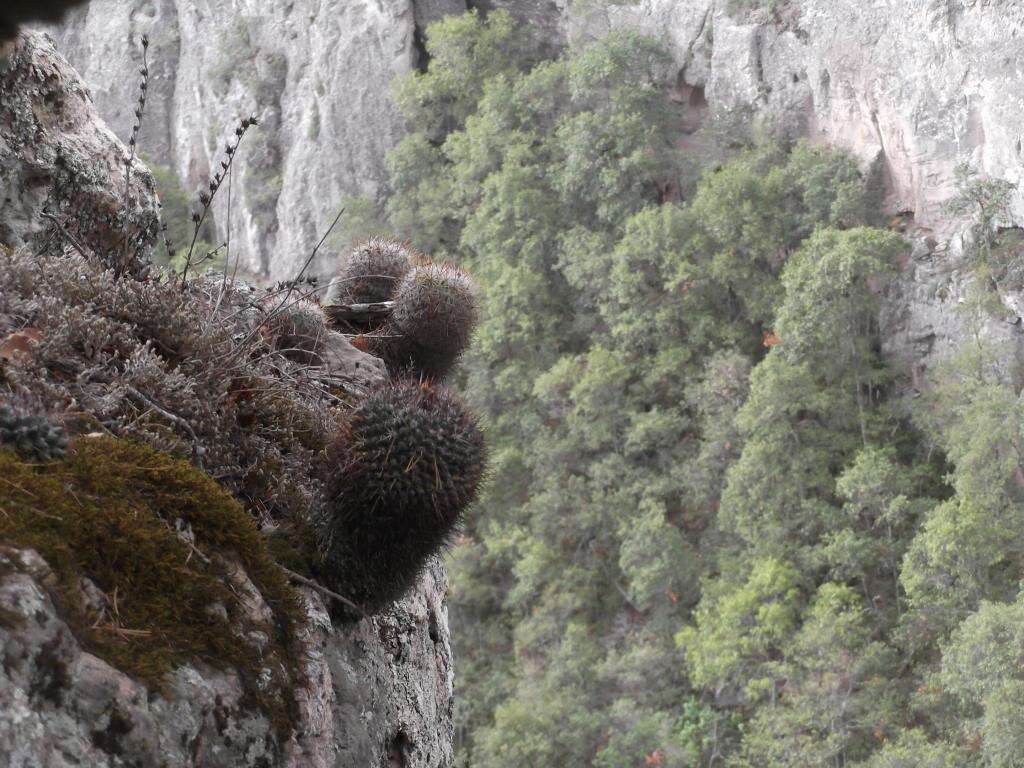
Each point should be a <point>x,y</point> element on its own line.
<point>919,85</point>
<point>314,72</point>
<point>378,695</point>
<point>925,84</point>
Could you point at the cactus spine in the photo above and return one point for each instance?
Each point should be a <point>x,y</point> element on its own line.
<point>371,272</point>
<point>30,434</point>
<point>432,321</point>
<point>411,463</point>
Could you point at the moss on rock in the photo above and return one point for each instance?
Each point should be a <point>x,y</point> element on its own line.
<point>157,536</point>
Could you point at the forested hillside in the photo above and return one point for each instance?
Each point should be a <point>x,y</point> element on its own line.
<point>721,528</point>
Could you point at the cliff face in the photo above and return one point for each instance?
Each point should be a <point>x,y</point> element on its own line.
<point>377,693</point>
<point>315,73</point>
<point>926,83</point>
<point>922,84</point>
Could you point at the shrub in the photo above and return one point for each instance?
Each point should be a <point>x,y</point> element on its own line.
<point>185,371</point>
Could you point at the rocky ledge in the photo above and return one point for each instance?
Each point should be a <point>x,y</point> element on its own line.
<point>367,693</point>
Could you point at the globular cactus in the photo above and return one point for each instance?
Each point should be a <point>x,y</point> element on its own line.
<point>371,272</point>
<point>298,330</point>
<point>30,433</point>
<point>431,323</point>
<point>411,462</point>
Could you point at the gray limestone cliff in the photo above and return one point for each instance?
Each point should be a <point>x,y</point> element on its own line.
<point>374,694</point>
<point>316,74</point>
<point>918,85</point>
<point>921,85</point>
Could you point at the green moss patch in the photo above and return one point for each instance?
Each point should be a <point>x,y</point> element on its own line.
<point>155,534</point>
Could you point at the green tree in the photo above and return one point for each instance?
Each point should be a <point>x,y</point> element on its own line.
<point>647,483</point>
<point>981,670</point>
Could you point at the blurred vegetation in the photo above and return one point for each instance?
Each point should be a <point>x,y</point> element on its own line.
<point>715,533</point>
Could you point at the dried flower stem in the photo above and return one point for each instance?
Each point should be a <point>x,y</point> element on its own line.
<point>133,140</point>
<point>206,199</point>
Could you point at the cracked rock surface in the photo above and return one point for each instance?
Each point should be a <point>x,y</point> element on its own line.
<point>378,694</point>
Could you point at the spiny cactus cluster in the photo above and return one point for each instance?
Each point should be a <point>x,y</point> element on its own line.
<point>30,433</point>
<point>298,330</point>
<point>371,272</point>
<point>412,461</point>
<point>434,312</point>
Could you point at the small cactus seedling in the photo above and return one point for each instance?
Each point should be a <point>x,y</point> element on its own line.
<point>411,464</point>
<point>298,331</point>
<point>371,272</point>
<point>432,321</point>
<point>30,434</point>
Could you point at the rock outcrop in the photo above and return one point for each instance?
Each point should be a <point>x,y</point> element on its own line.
<point>61,168</point>
<point>316,74</point>
<point>375,693</point>
<point>926,84</point>
<point>921,85</point>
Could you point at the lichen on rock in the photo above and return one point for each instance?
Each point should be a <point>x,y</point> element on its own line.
<point>62,171</point>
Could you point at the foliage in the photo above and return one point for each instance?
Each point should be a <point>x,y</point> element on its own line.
<point>694,433</point>
<point>984,201</point>
<point>464,53</point>
<point>981,670</point>
<point>739,7</point>
<point>361,220</point>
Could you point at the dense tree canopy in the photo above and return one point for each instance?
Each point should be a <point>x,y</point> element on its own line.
<point>714,534</point>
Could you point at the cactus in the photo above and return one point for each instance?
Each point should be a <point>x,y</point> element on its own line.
<point>298,331</point>
<point>411,463</point>
<point>31,434</point>
<point>371,272</point>
<point>432,321</point>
